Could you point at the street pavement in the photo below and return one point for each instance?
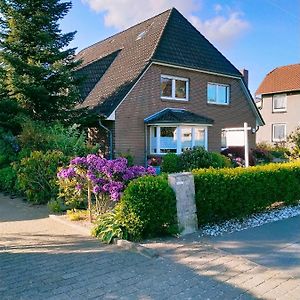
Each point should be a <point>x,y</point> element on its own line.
<point>41,258</point>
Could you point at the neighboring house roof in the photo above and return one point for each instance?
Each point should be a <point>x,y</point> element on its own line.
<point>166,38</point>
<point>172,115</point>
<point>281,79</point>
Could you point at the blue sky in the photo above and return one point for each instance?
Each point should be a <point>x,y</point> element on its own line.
<point>258,35</point>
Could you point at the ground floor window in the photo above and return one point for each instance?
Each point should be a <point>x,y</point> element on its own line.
<point>176,139</point>
<point>278,132</point>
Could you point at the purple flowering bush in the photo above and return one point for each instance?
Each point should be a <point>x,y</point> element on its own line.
<point>107,179</point>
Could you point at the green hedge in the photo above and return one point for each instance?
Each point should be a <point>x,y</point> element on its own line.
<point>235,193</point>
<point>147,208</point>
<point>8,177</point>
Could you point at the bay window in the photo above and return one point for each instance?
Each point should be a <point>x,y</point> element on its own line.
<point>176,139</point>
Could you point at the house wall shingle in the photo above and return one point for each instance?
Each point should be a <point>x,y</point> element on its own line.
<point>144,100</point>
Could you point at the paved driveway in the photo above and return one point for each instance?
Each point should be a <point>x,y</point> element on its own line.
<point>43,259</point>
<point>275,245</point>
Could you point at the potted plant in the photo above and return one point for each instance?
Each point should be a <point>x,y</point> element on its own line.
<point>155,162</point>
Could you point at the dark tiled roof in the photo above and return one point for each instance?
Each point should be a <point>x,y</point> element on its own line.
<point>170,115</point>
<point>167,37</point>
<point>132,60</point>
<point>182,44</point>
<point>90,74</point>
<point>281,79</point>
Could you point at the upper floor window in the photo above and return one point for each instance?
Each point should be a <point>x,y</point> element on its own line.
<point>218,93</point>
<point>279,103</point>
<point>174,88</point>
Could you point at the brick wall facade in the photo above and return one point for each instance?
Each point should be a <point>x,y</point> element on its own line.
<point>144,100</point>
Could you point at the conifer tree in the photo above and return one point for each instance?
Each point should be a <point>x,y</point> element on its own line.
<point>37,65</point>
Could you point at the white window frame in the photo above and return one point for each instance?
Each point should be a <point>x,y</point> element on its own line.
<point>279,109</point>
<point>273,132</point>
<point>173,97</point>
<point>217,92</point>
<point>178,127</point>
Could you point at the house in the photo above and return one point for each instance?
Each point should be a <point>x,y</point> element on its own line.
<point>279,95</point>
<point>161,87</point>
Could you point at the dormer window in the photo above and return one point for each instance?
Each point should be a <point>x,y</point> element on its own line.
<point>174,88</point>
<point>279,103</point>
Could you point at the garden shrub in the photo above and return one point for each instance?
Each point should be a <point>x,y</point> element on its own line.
<point>107,180</point>
<point>237,155</point>
<point>37,175</point>
<point>171,163</point>
<point>235,193</point>
<point>8,148</point>
<point>8,177</point>
<point>198,157</point>
<point>38,136</point>
<point>147,208</point>
<point>107,227</point>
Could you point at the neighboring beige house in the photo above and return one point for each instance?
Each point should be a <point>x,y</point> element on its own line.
<point>280,103</point>
<point>161,86</point>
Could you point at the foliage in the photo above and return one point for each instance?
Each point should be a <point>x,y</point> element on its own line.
<point>107,227</point>
<point>56,205</point>
<point>147,208</point>
<point>77,214</point>
<point>38,136</point>
<point>106,177</point>
<point>154,161</point>
<point>37,175</point>
<point>8,148</point>
<point>8,179</point>
<point>198,157</point>
<point>234,193</point>
<point>294,141</point>
<point>237,156</point>
<point>171,163</point>
<point>267,152</point>
<point>37,65</point>
<point>129,157</point>
<point>11,115</point>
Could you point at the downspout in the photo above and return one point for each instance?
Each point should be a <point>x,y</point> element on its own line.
<point>110,139</point>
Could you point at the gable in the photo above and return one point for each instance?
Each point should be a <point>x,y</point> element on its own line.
<point>182,44</point>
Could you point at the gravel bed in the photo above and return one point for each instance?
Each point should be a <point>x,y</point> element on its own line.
<point>254,220</point>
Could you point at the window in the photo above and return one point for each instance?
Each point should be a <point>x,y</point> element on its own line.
<point>278,132</point>
<point>174,88</point>
<point>279,103</point>
<point>176,139</point>
<point>218,93</point>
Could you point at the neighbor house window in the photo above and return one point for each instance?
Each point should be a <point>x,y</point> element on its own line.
<point>279,103</point>
<point>278,132</point>
<point>218,93</point>
<point>176,139</point>
<point>174,88</point>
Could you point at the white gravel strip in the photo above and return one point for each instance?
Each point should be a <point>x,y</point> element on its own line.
<point>254,220</point>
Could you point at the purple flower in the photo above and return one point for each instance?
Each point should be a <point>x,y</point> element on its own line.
<point>78,161</point>
<point>96,189</point>
<point>66,173</point>
<point>78,187</point>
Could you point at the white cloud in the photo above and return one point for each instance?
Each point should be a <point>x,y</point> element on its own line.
<point>222,29</point>
<point>124,13</point>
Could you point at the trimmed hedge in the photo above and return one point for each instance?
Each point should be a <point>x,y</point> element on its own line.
<point>235,193</point>
<point>147,208</point>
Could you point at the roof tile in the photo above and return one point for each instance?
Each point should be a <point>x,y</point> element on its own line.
<point>281,79</point>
